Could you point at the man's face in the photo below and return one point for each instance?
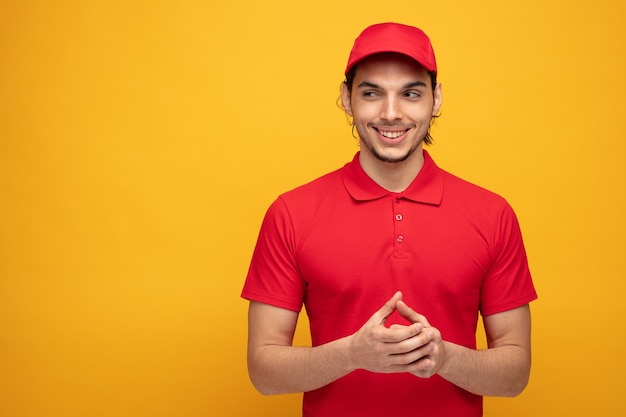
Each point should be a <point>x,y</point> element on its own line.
<point>392,104</point>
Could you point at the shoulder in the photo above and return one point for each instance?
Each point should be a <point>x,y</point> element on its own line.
<point>459,189</point>
<point>329,186</point>
<point>295,211</point>
<point>480,206</point>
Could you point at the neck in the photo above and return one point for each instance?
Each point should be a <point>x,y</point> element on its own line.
<point>392,176</point>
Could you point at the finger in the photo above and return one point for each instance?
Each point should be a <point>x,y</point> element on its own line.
<point>410,314</point>
<point>410,351</point>
<point>401,327</point>
<point>405,335</point>
<point>381,316</point>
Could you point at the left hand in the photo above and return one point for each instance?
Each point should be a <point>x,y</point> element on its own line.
<point>433,349</point>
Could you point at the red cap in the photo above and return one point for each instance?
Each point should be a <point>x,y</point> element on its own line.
<point>393,37</point>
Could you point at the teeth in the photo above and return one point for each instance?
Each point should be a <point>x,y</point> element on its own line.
<point>391,135</point>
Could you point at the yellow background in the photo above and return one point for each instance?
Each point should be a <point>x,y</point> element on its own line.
<point>141,143</point>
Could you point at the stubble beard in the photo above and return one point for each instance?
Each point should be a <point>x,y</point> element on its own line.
<point>388,159</point>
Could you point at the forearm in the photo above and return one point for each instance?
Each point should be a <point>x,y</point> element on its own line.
<point>501,371</point>
<point>277,369</point>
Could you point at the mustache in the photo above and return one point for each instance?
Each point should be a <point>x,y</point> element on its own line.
<point>405,126</point>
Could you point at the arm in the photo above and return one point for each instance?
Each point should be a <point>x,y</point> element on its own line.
<point>501,370</point>
<point>275,366</point>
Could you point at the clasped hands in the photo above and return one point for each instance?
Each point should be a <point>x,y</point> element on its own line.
<point>416,348</point>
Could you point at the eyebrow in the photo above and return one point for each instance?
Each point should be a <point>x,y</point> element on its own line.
<point>413,84</point>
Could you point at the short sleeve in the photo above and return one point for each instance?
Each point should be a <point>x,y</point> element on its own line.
<point>508,283</point>
<point>273,277</point>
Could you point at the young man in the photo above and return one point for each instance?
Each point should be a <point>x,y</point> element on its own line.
<point>394,260</point>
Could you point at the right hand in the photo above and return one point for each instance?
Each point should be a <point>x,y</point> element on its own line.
<point>377,348</point>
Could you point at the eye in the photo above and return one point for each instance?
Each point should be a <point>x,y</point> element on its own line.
<point>370,94</point>
<point>412,94</point>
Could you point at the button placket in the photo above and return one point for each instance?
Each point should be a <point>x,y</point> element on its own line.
<point>398,224</point>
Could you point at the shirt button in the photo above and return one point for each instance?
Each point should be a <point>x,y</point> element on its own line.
<point>398,217</point>
<point>400,238</point>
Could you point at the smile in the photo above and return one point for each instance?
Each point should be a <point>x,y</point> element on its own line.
<point>391,134</point>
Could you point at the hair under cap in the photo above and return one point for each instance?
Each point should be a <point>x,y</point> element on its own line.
<point>393,37</point>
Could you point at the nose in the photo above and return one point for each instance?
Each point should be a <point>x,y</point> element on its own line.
<point>391,109</point>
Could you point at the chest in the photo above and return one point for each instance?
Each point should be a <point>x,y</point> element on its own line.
<point>352,260</point>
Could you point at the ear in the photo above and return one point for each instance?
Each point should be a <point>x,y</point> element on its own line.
<point>438,98</point>
<point>345,99</point>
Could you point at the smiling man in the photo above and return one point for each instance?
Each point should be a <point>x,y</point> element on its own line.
<point>394,259</point>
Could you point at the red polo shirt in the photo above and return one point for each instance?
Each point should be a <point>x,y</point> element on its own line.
<point>342,245</point>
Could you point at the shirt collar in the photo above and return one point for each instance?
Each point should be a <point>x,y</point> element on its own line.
<point>427,187</point>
